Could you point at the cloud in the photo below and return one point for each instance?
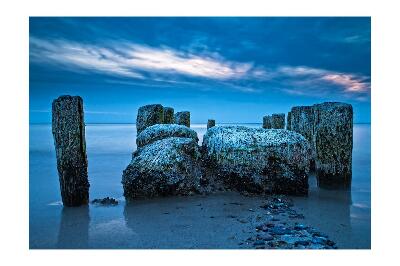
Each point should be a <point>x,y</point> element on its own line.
<point>350,82</point>
<point>134,60</point>
<point>307,76</point>
<point>131,64</point>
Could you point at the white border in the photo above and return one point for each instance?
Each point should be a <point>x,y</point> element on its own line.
<point>14,130</point>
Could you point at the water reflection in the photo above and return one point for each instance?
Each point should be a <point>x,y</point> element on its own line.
<point>74,227</point>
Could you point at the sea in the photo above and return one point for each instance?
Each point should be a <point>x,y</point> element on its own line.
<point>173,222</point>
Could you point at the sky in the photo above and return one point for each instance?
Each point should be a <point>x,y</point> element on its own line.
<point>231,69</point>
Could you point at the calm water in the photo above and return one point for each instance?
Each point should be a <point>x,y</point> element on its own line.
<point>109,149</point>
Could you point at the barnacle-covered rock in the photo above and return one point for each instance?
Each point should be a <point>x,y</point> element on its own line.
<point>149,115</point>
<point>162,131</point>
<point>165,167</point>
<point>258,160</point>
<point>278,121</point>
<point>333,137</point>
<point>182,118</point>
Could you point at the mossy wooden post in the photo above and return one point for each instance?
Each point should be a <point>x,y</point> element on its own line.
<point>278,121</point>
<point>68,129</point>
<point>333,137</point>
<point>168,115</point>
<point>289,121</point>
<point>149,115</point>
<point>267,122</point>
<point>182,118</point>
<point>210,123</point>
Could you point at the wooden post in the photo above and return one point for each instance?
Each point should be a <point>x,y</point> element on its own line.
<point>68,129</point>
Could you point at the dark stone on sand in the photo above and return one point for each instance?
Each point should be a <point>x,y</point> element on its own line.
<point>165,167</point>
<point>267,122</point>
<point>302,242</point>
<point>182,118</point>
<point>149,115</point>
<point>210,123</point>
<point>105,201</point>
<point>333,135</point>
<point>162,131</point>
<point>168,115</point>
<point>68,128</point>
<point>278,121</point>
<point>259,243</point>
<point>258,160</point>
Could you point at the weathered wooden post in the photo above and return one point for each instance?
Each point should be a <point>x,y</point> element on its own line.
<point>267,122</point>
<point>302,122</point>
<point>168,115</point>
<point>210,123</point>
<point>333,137</point>
<point>289,121</point>
<point>278,121</point>
<point>149,115</point>
<point>182,118</point>
<point>68,129</point>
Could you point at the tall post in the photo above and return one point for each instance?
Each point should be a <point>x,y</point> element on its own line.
<point>68,129</point>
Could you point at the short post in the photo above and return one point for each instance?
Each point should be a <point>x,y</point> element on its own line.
<point>68,129</point>
<point>267,122</point>
<point>210,123</point>
<point>289,121</point>
<point>182,118</point>
<point>149,115</point>
<point>168,115</point>
<point>278,121</point>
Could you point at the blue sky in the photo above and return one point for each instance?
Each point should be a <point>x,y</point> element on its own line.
<point>229,69</point>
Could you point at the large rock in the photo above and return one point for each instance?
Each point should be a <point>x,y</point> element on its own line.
<point>168,115</point>
<point>267,122</point>
<point>278,121</point>
<point>333,140</point>
<point>258,160</point>
<point>68,127</point>
<point>149,115</point>
<point>182,118</point>
<point>162,131</point>
<point>165,167</point>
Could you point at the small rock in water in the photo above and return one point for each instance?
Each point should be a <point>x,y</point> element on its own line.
<point>105,201</point>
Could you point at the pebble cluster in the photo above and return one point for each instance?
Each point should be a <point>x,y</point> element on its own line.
<point>277,234</point>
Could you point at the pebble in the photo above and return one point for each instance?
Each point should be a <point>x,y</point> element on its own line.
<point>105,201</point>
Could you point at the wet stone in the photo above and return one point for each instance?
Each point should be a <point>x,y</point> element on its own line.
<point>105,201</point>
